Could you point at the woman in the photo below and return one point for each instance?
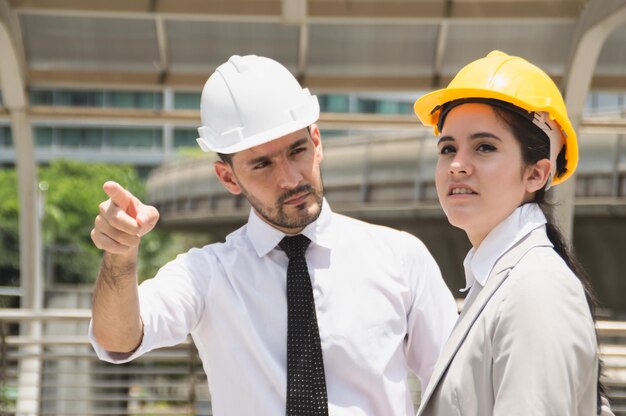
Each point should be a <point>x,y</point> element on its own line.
<point>525,343</point>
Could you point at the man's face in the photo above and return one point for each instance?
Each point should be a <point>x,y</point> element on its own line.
<point>281,179</point>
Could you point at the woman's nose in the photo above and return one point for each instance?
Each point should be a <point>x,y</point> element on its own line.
<point>459,165</point>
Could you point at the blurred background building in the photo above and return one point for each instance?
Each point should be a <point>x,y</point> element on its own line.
<point>119,82</point>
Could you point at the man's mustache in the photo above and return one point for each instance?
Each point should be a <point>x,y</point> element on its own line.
<point>293,192</point>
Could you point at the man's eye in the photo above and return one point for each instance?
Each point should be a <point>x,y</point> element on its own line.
<point>298,150</point>
<point>261,165</point>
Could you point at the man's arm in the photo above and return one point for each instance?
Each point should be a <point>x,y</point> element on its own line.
<point>122,220</point>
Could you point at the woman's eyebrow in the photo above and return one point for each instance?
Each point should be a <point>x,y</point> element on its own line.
<point>483,134</point>
<point>445,139</point>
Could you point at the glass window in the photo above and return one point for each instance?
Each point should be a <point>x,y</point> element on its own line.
<point>6,139</point>
<point>330,133</point>
<point>62,98</point>
<point>121,99</point>
<point>334,103</point>
<point>150,99</point>
<point>187,100</point>
<point>379,106</point>
<point>43,136</point>
<point>604,102</point>
<point>68,98</point>
<point>185,138</point>
<point>607,101</point>
<point>86,99</point>
<point>93,137</point>
<point>94,98</point>
<point>135,137</point>
<point>69,137</point>
<point>41,97</point>
<point>366,105</point>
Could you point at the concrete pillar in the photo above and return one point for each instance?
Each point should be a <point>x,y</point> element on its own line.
<point>596,22</point>
<point>30,254</point>
<point>168,128</point>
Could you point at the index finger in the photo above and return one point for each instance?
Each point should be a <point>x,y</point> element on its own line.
<point>120,197</point>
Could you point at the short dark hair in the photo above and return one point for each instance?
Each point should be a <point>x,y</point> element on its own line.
<point>226,158</point>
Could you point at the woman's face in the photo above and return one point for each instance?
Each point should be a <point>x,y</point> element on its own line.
<point>480,175</point>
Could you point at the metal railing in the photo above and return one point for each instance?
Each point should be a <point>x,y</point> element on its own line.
<point>169,381</point>
<point>70,380</point>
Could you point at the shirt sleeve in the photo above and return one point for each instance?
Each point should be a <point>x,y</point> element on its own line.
<point>544,346</point>
<point>170,306</point>
<point>432,314</point>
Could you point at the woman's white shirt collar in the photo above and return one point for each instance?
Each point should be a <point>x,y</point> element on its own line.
<point>480,261</point>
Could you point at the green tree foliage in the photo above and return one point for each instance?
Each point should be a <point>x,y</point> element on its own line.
<point>9,254</point>
<point>74,191</point>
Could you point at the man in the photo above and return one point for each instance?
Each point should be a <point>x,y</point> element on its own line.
<point>301,311</point>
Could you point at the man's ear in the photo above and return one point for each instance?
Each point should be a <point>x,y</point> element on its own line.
<point>314,131</point>
<point>225,174</point>
<point>537,175</point>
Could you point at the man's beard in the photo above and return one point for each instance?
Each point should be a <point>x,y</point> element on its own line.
<point>280,218</point>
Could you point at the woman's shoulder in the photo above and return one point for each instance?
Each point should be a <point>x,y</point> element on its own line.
<point>541,266</point>
<point>542,279</point>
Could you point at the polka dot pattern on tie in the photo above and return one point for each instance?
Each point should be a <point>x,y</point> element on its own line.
<point>306,383</point>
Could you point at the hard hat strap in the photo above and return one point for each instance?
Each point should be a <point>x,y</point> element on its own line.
<point>551,129</point>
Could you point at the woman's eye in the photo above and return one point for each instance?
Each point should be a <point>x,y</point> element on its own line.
<point>486,147</point>
<point>447,149</point>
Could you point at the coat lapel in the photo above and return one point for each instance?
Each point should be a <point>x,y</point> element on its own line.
<point>473,309</point>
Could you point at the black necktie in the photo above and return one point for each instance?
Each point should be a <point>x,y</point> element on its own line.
<point>306,385</point>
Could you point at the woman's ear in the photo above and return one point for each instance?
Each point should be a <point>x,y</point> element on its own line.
<point>225,174</point>
<point>536,176</point>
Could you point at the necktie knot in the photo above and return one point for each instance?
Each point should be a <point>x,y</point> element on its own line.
<point>294,246</point>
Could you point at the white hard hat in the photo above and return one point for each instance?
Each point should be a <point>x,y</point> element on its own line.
<point>252,100</point>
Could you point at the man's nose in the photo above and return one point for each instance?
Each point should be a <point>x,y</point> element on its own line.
<point>288,175</point>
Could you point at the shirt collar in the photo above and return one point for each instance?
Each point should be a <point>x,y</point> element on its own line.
<point>480,261</point>
<point>265,238</point>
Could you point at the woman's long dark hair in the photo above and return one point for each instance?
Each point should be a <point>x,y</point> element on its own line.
<point>535,146</point>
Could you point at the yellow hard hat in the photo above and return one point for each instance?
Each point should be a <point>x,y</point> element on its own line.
<point>510,79</point>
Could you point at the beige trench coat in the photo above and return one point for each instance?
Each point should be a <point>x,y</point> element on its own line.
<point>524,344</point>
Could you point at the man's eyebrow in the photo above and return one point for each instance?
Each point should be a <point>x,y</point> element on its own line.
<point>298,143</point>
<point>266,158</point>
<point>259,159</point>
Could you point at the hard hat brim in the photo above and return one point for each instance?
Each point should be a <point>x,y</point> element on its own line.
<point>305,120</point>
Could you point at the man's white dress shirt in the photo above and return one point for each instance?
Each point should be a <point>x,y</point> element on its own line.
<point>382,309</point>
